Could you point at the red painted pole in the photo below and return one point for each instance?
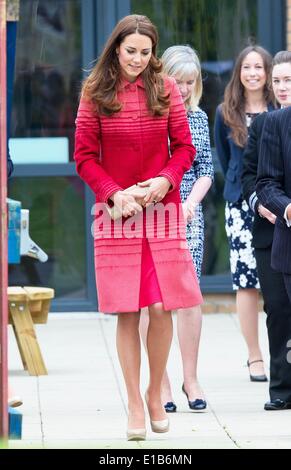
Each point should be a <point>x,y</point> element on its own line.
<point>3,229</point>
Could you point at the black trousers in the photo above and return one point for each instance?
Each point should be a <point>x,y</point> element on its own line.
<point>277,306</point>
<point>287,280</point>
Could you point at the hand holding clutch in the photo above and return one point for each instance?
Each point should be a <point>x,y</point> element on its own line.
<point>137,192</point>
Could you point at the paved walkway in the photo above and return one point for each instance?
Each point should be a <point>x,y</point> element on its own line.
<point>82,404</point>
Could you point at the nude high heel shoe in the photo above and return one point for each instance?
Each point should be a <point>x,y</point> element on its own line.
<point>136,434</point>
<point>160,426</point>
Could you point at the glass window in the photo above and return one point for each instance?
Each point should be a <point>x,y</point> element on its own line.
<point>57,210</point>
<point>47,81</point>
<point>218,30</point>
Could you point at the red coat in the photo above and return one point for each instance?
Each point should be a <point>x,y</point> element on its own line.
<point>115,152</point>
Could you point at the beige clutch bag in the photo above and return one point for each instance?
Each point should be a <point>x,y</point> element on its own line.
<point>138,192</point>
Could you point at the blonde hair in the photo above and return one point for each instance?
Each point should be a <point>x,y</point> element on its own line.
<point>182,61</point>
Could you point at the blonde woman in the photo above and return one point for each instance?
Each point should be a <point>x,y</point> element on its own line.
<point>182,63</point>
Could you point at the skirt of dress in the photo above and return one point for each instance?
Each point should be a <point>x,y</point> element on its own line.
<point>239,221</point>
<point>150,292</point>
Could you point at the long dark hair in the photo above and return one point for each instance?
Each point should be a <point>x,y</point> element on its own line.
<point>233,107</point>
<point>102,84</point>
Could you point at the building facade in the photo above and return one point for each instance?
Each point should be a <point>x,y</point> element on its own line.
<point>57,43</point>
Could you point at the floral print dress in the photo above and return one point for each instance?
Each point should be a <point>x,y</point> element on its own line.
<point>202,166</point>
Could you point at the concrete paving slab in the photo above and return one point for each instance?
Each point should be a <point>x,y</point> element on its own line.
<point>81,403</point>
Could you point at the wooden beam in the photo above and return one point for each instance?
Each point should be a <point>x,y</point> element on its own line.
<point>3,230</point>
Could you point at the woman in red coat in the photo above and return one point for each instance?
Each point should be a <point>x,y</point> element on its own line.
<point>127,116</point>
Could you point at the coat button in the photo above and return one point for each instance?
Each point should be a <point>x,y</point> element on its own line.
<point>134,116</point>
<point>132,88</point>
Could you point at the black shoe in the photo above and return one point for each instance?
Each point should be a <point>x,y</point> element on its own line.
<point>257,378</point>
<point>170,407</point>
<point>277,404</point>
<point>196,405</point>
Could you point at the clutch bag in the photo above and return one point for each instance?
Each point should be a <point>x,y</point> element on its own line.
<point>137,191</point>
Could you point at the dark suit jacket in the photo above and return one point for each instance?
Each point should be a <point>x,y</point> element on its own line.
<point>230,156</point>
<point>263,230</point>
<point>274,182</point>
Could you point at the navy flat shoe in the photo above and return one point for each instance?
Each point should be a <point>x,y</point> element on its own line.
<point>195,405</point>
<point>256,378</point>
<point>170,407</point>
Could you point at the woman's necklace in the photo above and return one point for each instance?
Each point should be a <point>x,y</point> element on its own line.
<point>251,112</point>
<point>256,109</point>
<point>250,117</point>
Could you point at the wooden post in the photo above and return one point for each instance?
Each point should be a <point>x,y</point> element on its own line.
<point>3,230</point>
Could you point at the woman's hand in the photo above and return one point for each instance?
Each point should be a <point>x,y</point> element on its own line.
<point>158,188</point>
<point>189,210</point>
<point>265,213</point>
<point>125,204</point>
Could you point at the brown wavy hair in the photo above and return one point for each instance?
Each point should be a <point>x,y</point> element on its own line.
<point>102,84</point>
<point>233,107</point>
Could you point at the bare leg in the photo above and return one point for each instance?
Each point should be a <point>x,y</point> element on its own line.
<point>144,326</point>
<point>128,348</point>
<point>143,329</point>
<point>160,332</point>
<point>189,330</point>
<point>247,309</point>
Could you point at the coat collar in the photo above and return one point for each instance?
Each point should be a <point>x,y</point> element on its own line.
<point>125,83</point>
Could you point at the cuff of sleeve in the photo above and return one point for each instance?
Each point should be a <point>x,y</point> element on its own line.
<point>288,221</point>
<point>208,174</point>
<point>170,177</point>
<point>107,191</point>
<point>253,201</point>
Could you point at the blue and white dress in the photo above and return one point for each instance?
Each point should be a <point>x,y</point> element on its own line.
<point>202,166</point>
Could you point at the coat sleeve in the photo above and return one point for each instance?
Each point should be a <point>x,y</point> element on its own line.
<point>221,140</point>
<point>181,147</point>
<point>250,168</point>
<point>270,179</point>
<point>203,165</point>
<point>88,153</point>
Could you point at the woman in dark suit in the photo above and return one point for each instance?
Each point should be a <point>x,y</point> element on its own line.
<point>247,95</point>
<point>274,190</point>
<point>276,304</point>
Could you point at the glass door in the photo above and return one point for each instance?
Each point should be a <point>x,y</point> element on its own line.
<point>217,29</point>
<point>48,74</point>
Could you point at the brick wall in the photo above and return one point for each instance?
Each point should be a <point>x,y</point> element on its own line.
<point>289,25</point>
